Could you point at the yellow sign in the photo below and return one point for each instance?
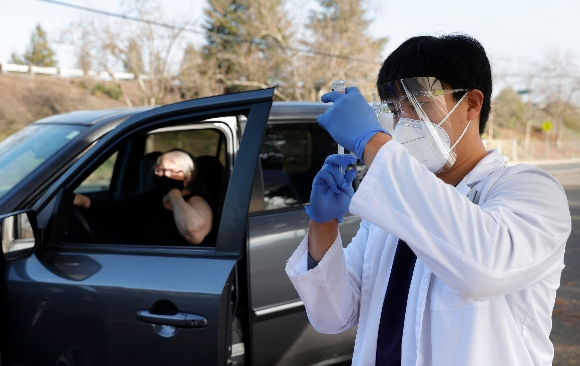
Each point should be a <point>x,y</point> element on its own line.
<point>547,126</point>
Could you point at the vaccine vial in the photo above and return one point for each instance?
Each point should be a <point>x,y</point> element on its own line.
<point>338,86</point>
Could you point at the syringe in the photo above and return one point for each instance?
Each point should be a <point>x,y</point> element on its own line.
<point>339,87</point>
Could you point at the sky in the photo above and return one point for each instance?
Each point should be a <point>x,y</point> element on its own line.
<point>517,34</point>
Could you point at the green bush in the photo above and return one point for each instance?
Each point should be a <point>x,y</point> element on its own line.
<point>111,90</point>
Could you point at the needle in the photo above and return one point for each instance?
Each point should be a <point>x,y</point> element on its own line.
<point>341,151</point>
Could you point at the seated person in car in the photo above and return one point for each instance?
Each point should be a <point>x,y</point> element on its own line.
<point>178,212</point>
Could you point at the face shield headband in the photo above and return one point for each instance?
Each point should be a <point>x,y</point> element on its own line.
<point>421,119</point>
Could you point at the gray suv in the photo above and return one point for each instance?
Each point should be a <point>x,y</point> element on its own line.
<point>74,294</point>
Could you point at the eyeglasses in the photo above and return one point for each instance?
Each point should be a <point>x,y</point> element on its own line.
<point>426,100</point>
<point>438,92</point>
<point>161,171</point>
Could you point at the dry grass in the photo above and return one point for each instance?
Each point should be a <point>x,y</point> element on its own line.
<point>26,98</point>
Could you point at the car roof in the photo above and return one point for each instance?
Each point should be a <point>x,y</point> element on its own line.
<point>90,117</point>
<point>280,110</point>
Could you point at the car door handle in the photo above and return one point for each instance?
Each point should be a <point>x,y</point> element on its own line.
<point>180,320</point>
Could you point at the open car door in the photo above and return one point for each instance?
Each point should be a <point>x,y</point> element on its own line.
<point>76,301</point>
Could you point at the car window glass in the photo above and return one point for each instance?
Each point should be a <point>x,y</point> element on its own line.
<point>100,179</point>
<point>291,154</point>
<point>27,149</point>
<point>196,142</point>
<point>123,201</point>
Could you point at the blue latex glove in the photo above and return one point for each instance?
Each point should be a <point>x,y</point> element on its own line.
<point>331,189</point>
<point>351,121</point>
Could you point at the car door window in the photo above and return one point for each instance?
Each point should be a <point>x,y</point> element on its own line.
<point>100,179</point>
<point>202,142</point>
<point>291,155</point>
<point>121,201</point>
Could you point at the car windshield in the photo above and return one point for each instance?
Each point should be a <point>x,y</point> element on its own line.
<point>24,151</point>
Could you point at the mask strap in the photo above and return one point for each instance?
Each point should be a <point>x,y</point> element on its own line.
<point>452,109</point>
<point>460,137</point>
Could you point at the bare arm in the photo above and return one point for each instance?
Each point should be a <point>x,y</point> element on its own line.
<point>320,237</point>
<point>373,147</point>
<point>192,218</point>
<point>81,200</point>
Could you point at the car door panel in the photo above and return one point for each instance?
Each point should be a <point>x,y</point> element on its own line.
<point>292,153</point>
<point>90,295</point>
<point>299,343</point>
<point>274,239</point>
<point>73,291</point>
<point>276,303</point>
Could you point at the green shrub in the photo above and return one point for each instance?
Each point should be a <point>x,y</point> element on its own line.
<point>111,90</point>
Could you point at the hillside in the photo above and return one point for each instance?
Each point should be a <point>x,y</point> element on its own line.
<point>25,98</point>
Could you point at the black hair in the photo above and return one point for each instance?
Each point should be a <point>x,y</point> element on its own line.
<point>457,60</point>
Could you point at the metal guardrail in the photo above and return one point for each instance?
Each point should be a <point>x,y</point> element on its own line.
<point>514,150</point>
<point>66,72</point>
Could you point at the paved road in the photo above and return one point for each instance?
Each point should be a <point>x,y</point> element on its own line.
<point>566,319</point>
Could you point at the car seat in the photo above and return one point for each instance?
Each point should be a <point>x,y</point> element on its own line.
<point>146,172</point>
<point>212,175</point>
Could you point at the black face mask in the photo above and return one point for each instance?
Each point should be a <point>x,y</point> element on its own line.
<point>166,184</point>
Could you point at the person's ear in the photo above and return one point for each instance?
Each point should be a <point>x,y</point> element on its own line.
<point>474,99</point>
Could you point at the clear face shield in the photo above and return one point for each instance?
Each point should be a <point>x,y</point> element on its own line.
<point>420,108</point>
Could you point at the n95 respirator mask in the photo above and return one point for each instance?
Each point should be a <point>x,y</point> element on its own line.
<point>421,119</point>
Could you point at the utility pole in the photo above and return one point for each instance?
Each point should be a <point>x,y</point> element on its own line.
<point>560,121</point>
<point>528,115</point>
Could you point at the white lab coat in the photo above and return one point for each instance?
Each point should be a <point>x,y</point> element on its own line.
<point>485,279</point>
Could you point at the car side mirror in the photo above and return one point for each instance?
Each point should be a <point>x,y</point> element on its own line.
<point>18,232</point>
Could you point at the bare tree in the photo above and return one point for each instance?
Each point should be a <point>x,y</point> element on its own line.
<point>249,42</point>
<point>197,74</point>
<point>339,28</point>
<point>84,59</point>
<point>255,45</point>
<point>90,39</point>
<point>558,86</point>
<point>142,47</point>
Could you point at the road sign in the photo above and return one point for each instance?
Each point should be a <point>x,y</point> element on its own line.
<point>547,126</point>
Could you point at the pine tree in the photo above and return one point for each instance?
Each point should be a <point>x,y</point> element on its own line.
<point>224,28</point>
<point>39,52</point>
<point>247,40</point>
<point>340,27</point>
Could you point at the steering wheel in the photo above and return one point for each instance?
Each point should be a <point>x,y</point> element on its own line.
<point>82,223</point>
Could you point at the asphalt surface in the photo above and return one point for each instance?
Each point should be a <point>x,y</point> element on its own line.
<point>566,317</point>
